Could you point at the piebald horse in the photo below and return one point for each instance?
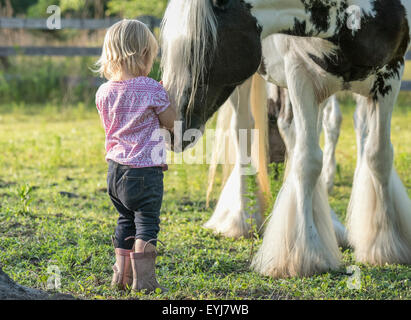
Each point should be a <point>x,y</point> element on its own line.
<point>231,217</point>
<point>212,46</point>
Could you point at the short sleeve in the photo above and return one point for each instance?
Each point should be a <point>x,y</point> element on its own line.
<point>160,101</point>
<point>99,97</point>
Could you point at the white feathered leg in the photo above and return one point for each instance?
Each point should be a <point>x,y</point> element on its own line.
<point>340,231</point>
<point>379,214</point>
<point>332,119</point>
<point>299,239</point>
<point>360,125</point>
<point>330,122</point>
<point>287,129</point>
<point>231,215</point>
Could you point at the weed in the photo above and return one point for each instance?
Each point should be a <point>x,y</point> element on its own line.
<point>24,192</point>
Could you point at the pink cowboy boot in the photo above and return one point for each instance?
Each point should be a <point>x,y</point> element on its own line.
<point>143,265</point>
<point>123,273</point>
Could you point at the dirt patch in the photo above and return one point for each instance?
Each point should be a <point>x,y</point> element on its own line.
<point>9,290</point>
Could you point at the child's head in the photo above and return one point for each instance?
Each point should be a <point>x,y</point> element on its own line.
<point>129,49</point>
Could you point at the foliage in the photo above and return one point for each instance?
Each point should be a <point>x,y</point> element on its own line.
<point>25,198</point>
<point>62,81</point>
<point>133,9</point>
<point>45,79</point>
<point>20,6</point>
<point>58,154</point>
<point>39,9</point>
<point>276,174</point>
<point>73,8</point>
<point>74,5</point>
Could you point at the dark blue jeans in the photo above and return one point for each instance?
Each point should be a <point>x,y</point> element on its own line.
<point>137,194</point>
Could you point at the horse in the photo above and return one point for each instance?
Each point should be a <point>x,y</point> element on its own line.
<point>231,217</point>
<point>212,46</point>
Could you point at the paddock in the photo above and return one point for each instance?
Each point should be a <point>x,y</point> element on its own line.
<point>56,219</point>
<point>55,212</point>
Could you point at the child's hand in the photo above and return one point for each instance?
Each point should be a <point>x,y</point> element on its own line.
<point>168,117</point>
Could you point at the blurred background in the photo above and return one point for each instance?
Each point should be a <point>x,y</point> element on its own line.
<point>32,68</point>
<point>46,75</point>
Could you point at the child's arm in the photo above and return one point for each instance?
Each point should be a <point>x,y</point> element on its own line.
<point>167,118</point>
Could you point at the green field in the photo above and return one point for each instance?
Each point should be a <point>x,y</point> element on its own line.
<point>407,71</point>
<point>54,211</point>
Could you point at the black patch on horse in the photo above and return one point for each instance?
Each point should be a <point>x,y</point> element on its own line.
<point>380,85</point>
<point>262,70</point>
<point>319,11</point>
<point>382,41</point>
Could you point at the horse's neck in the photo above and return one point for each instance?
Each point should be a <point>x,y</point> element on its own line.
<point>407,6</point>
<point>291,16</point>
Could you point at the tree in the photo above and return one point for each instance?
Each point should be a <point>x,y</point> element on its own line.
<point>133,9</point>
<point>6,8</point>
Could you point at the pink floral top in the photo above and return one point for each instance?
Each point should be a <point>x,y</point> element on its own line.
<point>129,112</point>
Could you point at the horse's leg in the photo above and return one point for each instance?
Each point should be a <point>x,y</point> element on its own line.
<point>286,127</point>
<point>331,123</point>
<point>231,216</point>
<point>287,130</point>
<point>330,120</point>
<point>361,132</point>
<point>276,102</point>
<point>360,124</point>
<point>299,239</point>
<point>379,215</point>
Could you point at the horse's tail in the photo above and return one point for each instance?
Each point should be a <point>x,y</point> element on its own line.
<point>259,111</point>
<point>222,148</point>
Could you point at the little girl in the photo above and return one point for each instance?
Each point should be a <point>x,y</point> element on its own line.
<point>131,107</point>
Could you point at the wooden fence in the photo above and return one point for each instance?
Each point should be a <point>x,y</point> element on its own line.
<point>41,24</point>
<point>88,24</point>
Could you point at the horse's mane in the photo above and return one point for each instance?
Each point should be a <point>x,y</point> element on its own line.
<point>187,28</point>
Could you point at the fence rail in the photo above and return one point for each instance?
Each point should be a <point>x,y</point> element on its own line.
<point>50,51</point>
<point>89,24</point>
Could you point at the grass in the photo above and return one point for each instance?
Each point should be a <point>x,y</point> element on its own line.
<point>58,80</point>
<point>54,211</point>
<point>407,71</point>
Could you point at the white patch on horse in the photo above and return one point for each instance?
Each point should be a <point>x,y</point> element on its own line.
<point>184,30</point>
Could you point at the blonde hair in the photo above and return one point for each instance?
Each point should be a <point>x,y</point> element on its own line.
<point>129,47</point>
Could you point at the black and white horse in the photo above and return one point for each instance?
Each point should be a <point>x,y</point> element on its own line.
<point>232,214</point>
<point>322,47</point>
